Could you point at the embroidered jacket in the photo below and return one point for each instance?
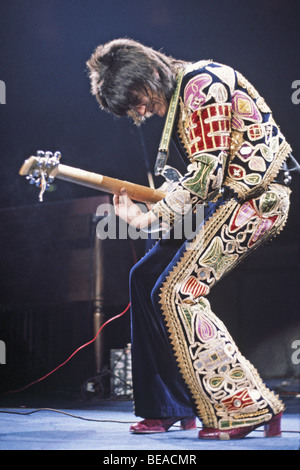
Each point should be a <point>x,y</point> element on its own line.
<point>228,135</point>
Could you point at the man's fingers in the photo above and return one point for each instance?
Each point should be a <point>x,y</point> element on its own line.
<point>124,198</point>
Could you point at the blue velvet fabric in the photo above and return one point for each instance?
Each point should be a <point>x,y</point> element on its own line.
<point>159,390</point>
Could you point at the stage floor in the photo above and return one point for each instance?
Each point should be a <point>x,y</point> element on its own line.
<point>104,425</point>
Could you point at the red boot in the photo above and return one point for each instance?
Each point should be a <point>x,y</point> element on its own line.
<point>162,425</point>
<point>272,429</point>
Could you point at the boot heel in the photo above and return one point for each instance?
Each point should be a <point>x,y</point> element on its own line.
<point>188,423</point>
<point>273,427</point>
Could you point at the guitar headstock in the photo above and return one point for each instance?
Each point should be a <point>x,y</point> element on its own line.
<point>39,169</point>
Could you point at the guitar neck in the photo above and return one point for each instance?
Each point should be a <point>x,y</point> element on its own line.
<point>100,182</point>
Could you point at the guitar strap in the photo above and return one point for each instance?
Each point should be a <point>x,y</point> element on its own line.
<point>163,150</point>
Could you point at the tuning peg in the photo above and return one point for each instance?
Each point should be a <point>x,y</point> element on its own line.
<point>40,155</point>
<point>48,156</point>
<point>31,179</point>
<point>57,155</point>
<point>56,158</point>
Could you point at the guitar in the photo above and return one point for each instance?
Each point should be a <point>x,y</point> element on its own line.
<point>45,166</point>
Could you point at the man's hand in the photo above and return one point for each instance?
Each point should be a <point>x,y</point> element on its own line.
<point>127,210</point>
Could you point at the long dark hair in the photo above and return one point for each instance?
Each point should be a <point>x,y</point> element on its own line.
<point>123,69</point>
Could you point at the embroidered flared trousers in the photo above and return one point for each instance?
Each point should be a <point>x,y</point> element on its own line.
<point>184,361</point>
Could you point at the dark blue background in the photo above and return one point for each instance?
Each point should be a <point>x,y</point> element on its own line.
<point>44,45</point>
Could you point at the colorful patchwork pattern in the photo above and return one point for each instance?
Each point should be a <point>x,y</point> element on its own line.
<point>243,108</point>
<point>210,128</point>
<point>225,387</point>
<point>238,401</point>
<point>232,141</point>
<point>240,124</point>
<point>194,288</point>
<point>262,149</point>
<point>201,171</point>
<point>194,95</point>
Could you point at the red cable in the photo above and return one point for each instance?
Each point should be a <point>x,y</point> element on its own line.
<point>70,357</point>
